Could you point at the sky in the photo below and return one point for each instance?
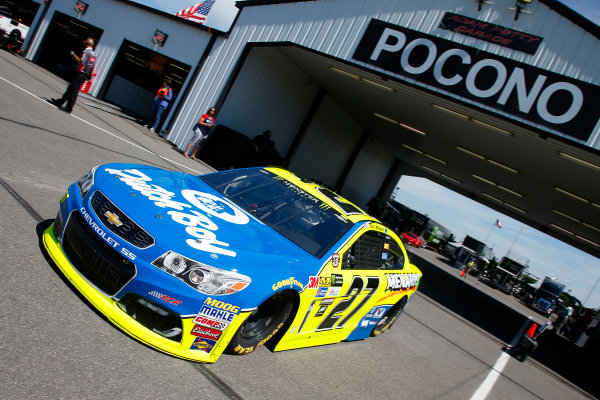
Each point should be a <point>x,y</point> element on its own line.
<point>547,256</point>
<point>588,8</point>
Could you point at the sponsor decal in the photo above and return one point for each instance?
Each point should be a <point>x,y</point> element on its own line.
<point>313,282</point>
<point>324,281</point>
<point>99,231</point>
<point>165,298</point>
<point>218,310</point>
<point>321,292</point>
<point>206,333</point>
<point>210,323</point>
<point>335,260</point>
<point>337,280</point>
<point>402,281</point>
<point>373,316</point>
<point>492,33</point>
<point>377,227</point>
<point>197,224</point>
<point>521,91</point>
<point>291,282</point>
<point>222,305</point>
<point>334,291</point>
<point>202,344</point>
<point>113,218</point>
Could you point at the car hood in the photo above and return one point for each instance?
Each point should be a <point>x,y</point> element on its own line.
<point>187,216</point>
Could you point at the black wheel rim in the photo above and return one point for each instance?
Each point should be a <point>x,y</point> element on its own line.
<point>263,318</point>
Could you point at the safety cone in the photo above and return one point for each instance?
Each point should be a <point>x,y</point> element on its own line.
<point>531,330</point>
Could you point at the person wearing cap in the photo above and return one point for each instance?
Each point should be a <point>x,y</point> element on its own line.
<point>85,68</point>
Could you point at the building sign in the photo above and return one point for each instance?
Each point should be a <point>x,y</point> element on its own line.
<point>159,38</point>
<point>497,34</point>
<point>81,7</point>
<point>563,104</point>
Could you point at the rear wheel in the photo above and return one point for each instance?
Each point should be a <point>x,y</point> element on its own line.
<point>389,317</point>
<point>262,324</point>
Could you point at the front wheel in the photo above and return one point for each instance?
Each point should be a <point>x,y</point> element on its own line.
<point>389,317</point>
<point>262,324</point>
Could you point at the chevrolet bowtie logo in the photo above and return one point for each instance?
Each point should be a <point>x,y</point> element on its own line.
<point>113,219</point>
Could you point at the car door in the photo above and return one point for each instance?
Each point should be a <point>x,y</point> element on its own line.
<point>352,282</point>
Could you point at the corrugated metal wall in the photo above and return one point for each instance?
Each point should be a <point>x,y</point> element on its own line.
<point>121,21</point>
<point>328,143</point>
<point>334,27</point>
<point>269,93</point>
<point>368,173</point>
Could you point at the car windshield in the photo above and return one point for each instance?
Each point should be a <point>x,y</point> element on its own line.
<point>296,214</point>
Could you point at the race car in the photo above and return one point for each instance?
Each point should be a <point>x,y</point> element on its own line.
<point>195,266</point>
<point>412,239</point>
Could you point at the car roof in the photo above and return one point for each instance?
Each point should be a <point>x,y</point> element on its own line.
<point>342,205</point>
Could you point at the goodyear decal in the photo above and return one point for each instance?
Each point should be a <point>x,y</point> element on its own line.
<point>402,281</point>
<point>291,282</point>
<point>202,344</point>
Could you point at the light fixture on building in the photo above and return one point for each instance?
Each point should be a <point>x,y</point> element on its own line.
<point>360,78</point>
<point>481,3</point>
<point>497,200</point>
<point>484,158</point>
<point>579,161</point>
<point>519,7</point>
<point>394,122</point>
<point>491,183</point>
<point>441,174</point>
<point>457,114</point>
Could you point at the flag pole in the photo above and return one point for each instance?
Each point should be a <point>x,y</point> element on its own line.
<point>489,233</point>
<point>514,241</point>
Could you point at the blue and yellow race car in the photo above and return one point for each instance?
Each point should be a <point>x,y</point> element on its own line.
<point>195,266</point>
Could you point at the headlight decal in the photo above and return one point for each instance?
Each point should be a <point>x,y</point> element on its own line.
<point>201,277</point>
<point>86,182</point>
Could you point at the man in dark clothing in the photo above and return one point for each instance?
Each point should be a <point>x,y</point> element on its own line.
<point>85,67</point>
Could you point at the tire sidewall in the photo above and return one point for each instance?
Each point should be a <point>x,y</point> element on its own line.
<point>240,345</point>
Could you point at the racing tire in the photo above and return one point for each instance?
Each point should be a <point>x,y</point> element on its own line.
<point>262,324</point>
<point>389,317</point>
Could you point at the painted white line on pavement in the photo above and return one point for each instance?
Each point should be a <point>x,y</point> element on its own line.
<point>103,130</point>
<point>486,386</point>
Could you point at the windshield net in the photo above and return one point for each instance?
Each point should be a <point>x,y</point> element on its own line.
<point>296,214</point>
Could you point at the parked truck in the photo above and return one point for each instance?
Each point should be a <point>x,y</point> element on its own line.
<point>545,299</point>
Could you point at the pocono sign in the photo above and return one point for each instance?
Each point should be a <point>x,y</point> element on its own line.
<point>536,96</point>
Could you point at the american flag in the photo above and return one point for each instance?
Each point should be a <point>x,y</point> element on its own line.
<point>198,12</point>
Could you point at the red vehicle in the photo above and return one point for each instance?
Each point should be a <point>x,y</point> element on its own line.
<point>412,239</point>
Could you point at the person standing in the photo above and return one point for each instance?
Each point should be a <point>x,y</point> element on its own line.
<point>161,102</point>
<point>85,68</point>
<point>201,130</point>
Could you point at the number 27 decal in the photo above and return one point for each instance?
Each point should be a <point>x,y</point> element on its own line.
<point>357,287</point>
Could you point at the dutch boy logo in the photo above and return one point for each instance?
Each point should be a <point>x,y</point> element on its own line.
<point>197,224</point>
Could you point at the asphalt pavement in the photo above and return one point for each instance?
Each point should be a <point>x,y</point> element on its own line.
<point>446,345</point>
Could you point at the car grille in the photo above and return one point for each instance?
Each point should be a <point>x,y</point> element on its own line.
<point>153,316</point>
<point>125,228</point>
<point>96,260</point>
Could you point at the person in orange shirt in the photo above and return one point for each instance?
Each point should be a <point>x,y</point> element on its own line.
<point>161,102</point>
